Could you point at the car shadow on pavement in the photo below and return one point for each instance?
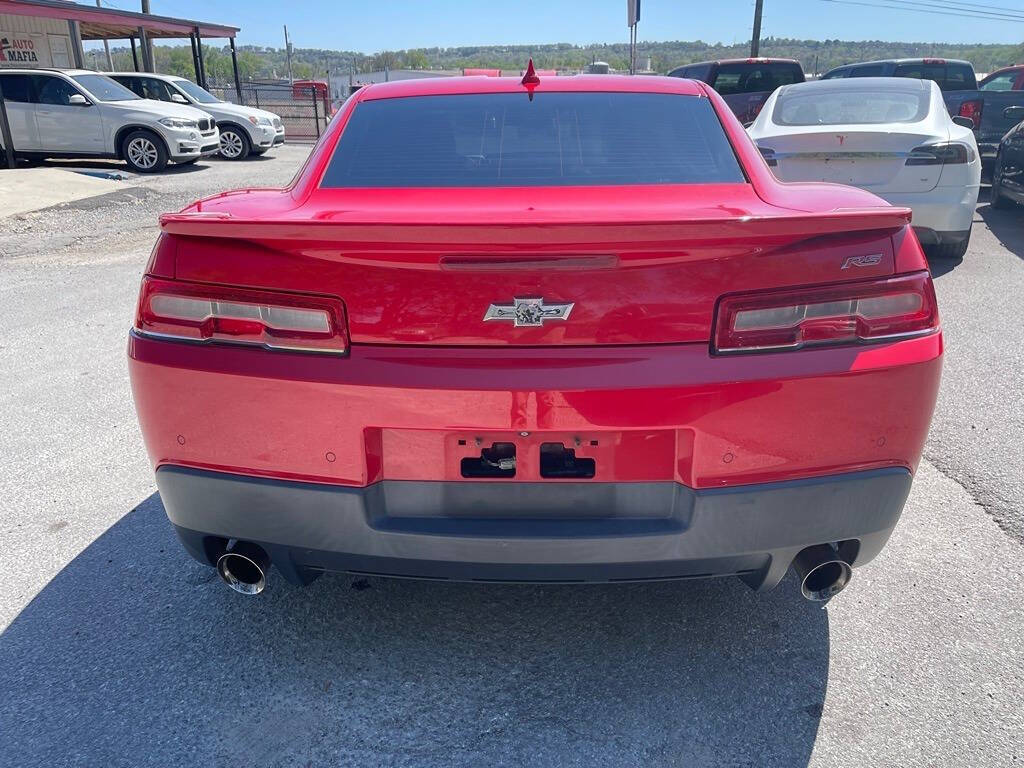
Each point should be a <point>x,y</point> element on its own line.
<point>136,655</point>
<point>1007,226</point>
<point>116,166</point>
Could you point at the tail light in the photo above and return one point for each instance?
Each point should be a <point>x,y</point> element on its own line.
<point>941,154</point>
<point>971,109</point>
<point>842,313</point>
<point>769,156</point>
<point>215,313</point>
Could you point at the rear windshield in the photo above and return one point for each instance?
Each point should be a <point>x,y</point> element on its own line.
<point>755,77</point>
<point>850,106</point>
<point>557,139</point>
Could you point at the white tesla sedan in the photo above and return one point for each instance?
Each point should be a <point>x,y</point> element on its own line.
<point>890,136</point>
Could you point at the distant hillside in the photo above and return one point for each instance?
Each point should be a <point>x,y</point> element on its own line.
<point>815,55</point>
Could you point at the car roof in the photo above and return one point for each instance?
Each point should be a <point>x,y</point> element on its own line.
<point>919,59</point>
<point>157,75</point>
<point>47,71</point>
<point>439,86</point>
<point>757,60</point>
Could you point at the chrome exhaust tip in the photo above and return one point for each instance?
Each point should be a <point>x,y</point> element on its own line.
<point>822,572</point>
<point>243,567</point>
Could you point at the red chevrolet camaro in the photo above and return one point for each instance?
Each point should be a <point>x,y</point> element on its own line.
<point>567,330</point>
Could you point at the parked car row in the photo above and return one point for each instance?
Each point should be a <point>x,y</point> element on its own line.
<point>144,119</point>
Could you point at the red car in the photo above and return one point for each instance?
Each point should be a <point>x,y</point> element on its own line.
<point>566,329</point>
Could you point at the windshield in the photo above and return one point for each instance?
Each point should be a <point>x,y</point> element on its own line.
<point>850,107</point>
<point>201,95</point>
<point>557,139</point>
<point>103,88</point>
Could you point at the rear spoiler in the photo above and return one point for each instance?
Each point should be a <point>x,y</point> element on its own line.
<point>537,229</point>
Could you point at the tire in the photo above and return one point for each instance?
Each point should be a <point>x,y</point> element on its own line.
<point>144,152</point>
<point>997,199</point>
<point>949,250</point>
<point>234,143</point>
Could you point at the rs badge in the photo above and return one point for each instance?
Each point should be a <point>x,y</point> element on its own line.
<point>862,261</point>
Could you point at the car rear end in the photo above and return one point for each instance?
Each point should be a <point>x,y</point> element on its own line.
<point>575,332</point>
<point>890,137</point>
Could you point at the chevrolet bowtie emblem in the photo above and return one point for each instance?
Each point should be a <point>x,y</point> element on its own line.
<point>528,313</point>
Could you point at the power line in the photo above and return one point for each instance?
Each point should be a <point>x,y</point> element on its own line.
<point>960,3</point>
<point>931,6</point>
<point>931,9</point>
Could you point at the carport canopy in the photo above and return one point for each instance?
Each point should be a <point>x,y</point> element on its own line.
<point>89,23</point>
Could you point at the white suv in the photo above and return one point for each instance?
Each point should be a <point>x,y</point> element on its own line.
<point>244,130</point>
<point>78,113</point>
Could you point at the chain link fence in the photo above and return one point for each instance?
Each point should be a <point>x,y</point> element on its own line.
<point>304,107</point>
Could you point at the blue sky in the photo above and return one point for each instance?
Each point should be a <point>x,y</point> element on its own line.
<point>382,24</point>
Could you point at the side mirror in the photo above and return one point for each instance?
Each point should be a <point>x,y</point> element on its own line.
<point>963,122</point>
<point>177,98</point>
<point>1014,113</point>
<point>77,100</point>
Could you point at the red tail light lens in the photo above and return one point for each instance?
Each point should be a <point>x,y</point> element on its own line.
<point>941,154</point>
<point>971,109</point>
<point>843,313</point>
<point>215,313</point>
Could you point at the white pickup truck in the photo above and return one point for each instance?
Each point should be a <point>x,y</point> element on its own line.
<point>75,113</point>
<point>244,130</point>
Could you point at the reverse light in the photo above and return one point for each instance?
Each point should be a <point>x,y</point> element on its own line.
<point>224,314</point>
<point>838,314</point>
<point>953,153</point>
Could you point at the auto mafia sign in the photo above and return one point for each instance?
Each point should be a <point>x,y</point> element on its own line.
<point>23,50</point>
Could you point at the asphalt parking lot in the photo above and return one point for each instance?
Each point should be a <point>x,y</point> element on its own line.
<point>116,649</point>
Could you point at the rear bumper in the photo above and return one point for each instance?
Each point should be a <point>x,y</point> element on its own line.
<point>535,531</point>
<point>657,413</point>
<point>943,209</point>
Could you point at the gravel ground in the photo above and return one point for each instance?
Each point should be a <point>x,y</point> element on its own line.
<point>117,649</point>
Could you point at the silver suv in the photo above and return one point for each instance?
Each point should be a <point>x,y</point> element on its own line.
<point>78,113</point>
<point>244,130</point>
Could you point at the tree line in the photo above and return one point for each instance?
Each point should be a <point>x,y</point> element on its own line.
<point>261,62</point>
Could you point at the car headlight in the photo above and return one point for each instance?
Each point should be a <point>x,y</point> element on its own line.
<point>266,121</point>
<point>174,122</point>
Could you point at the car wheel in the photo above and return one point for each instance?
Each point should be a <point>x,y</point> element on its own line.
<point>234,144</point>
<point>998,199</point>
<point>144,152</point>
<point>948,250</point>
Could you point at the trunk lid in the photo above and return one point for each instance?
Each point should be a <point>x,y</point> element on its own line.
<point>872,160</point>
<point>637,265</point>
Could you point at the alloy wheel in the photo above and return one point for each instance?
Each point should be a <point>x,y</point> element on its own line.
<point>230,144</point>
<point>142,152</point>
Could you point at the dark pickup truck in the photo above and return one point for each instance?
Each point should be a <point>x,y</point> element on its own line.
<point>745,84</point>
<point>986,104</point>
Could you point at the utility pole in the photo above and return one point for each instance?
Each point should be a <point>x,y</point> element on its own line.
<point>106,47</point>
<point>755,38</point>
<point>147,53</point>
<point>288,53</point>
